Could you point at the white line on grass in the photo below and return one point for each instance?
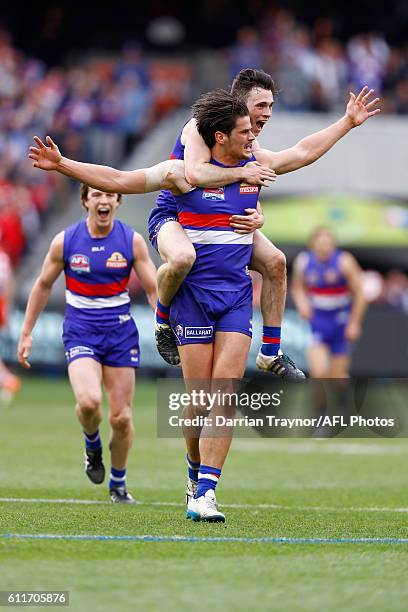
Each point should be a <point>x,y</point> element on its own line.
<point>175,538</point>
<point>91,502</point>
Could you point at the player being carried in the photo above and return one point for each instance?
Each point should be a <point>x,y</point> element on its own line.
<point>100,337</point>
<point>257,89</point>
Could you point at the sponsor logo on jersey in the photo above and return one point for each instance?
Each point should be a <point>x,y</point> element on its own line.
<point>245,188</point>
<point>80,264</point>
<point>215,195</point>
<point>116,260</point>
<point>199,332</point>
<point>98,249</point>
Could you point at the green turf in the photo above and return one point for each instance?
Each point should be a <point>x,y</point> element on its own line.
<point>321,488</point>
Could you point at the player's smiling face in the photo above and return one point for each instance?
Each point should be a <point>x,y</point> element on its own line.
<point>101,207</point>
<point>237,145</point>
<point>259,103</point>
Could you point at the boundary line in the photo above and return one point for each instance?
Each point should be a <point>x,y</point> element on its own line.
<point>153,538</point>
<point>91,502</point>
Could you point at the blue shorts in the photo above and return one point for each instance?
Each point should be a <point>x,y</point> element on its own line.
<point>116,346</point>
<point>329,328</point>
<point>157,218</point>
<point>196,314</point>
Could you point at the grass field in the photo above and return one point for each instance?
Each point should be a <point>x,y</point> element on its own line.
<point>340,491</point>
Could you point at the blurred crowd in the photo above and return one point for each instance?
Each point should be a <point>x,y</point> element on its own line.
<point>314,69</point>
<point>99,108</point>
<point>96,111</point>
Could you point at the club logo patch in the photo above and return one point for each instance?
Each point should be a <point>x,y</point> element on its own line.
<point>215,195</point>
<point>116,260</point>
<point>179,330</point>
<point>134,355</point>
<point>80,264</point>
<point>245,188</point>
<point>199,332</point>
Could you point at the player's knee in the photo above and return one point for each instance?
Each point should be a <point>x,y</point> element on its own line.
<point>121,423</point>
<point>89,402</point>
<point>183,261</point>
<point>274,265</point>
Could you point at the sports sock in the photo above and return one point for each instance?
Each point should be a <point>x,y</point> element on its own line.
<point>193,469</point>
<point>92,441</point>
<point>207,479</point>
<point>271,340</point>
<point>162,313</point>
<point>117,479</point>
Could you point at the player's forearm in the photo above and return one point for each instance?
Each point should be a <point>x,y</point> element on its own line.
<point>300,298</point>
<point>206,174</point>
<point>359,307</point>
<point>312,147</point>
<point>103,177</point>
<point>152,298</point>
<point>36,303</point>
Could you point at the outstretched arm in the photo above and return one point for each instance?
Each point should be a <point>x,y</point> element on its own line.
<point>145,269</point>
<point>309,149</point>
<point>37,301</point>
<point>47,156</point>
<point>200,172</point>
<point>352,273</point>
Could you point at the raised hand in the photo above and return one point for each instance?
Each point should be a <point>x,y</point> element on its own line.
<point>359,108</point>
<point>256,174</point>
<point>46,156</point>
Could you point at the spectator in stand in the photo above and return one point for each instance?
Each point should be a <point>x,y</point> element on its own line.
<point>136,105</point>
<point>367,55</point>
<point>247,52</point>
<point>9,383</point>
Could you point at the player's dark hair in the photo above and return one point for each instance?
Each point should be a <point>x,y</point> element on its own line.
<point>217,111</point>
<point>83,190</point>
<point>250,78</point>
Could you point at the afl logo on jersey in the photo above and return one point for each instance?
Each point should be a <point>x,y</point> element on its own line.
<point>215,195</point>
<point>245,188</point>
<point>331,276</point>
<point>312,278</point>
<point>80,264</point>
<point>116,260</point>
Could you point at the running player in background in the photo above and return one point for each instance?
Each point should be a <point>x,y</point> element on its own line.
<point>9,383</point>
<point>327,291</point>
<point>101,340</point>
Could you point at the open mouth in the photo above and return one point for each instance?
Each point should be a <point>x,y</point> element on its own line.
<point>260,125</point>
<point>103,213</point>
